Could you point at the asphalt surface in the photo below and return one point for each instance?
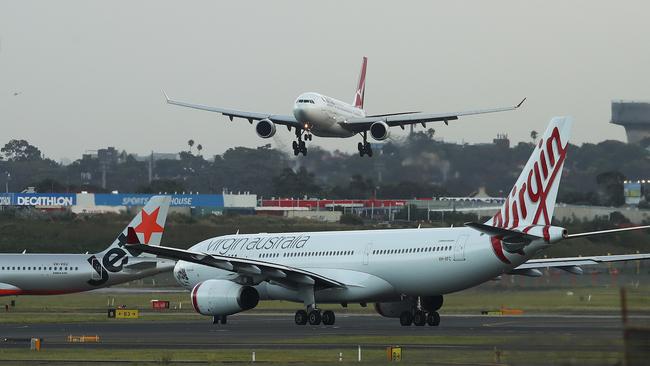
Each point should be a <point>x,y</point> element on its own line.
<point>261,331</point>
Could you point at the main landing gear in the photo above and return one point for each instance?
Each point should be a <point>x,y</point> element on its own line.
<point>424,312</point>
<point>419,318</point>
<point>315,317</point>
<point>299,146</point>
<point>219,319</point>
<point>364,147</point>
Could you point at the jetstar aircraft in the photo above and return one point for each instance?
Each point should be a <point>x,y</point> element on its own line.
<point>50,274</point>
<point>406,272</point>
<point>320,115</point>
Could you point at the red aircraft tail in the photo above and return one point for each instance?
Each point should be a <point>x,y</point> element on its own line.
<point>361,87</point>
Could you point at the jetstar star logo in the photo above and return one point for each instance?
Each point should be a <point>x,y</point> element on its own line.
<point>149,225</point>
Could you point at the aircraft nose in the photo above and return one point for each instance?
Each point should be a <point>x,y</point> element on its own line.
<point>301,113</point>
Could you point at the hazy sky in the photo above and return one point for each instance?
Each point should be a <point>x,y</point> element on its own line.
<point>90,73</point>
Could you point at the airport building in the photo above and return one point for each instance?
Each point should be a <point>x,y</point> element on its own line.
<point>634,116</point>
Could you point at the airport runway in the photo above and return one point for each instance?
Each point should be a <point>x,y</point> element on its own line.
<point>266,331</point>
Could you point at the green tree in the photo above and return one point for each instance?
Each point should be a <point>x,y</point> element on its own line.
<point>49,185</point>
<point>20,150</point>
<point>162,186</point>
<point>291,184</point>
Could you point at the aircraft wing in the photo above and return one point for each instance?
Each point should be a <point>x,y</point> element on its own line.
<point>268,271</point>
<point>408,118</point>
<point>233,113</point>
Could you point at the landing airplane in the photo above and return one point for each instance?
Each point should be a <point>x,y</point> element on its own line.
<point>320,115</point>
<point>53,274</point>
<point>406,272</point>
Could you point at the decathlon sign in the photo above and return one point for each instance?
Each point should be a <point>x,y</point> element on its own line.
<point>37,199</point>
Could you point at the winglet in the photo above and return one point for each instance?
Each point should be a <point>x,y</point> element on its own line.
<point>167,96</point>
<point>132,237</point>
<point>517,106</point>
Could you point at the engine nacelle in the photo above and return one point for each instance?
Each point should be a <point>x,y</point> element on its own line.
<point>222,297</point>
<point>379,131</point>
<point>394,309</point>
<point>265,128</point>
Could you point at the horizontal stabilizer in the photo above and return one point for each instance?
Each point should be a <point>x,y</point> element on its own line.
<point>512,236</point>
<point>604,232</point>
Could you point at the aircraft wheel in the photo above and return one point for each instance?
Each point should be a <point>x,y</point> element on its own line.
<point>405,319</point>
<point>301,317</point>
<point>328,317</point>
<point>295,145</point>
<point>420,318</point>
<point>369,152</point>
<point>304,151</point>
<point>314,317</point>
<point>296,152</point>
<point>433,319</point>
<point>360,147</point>
<point>224,319</point>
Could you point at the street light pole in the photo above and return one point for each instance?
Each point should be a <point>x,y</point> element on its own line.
<point>7,182</point>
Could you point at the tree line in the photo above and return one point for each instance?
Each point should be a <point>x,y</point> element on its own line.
<point>417,166</point>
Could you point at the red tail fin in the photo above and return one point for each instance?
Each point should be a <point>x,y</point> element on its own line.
<point>361,87</point>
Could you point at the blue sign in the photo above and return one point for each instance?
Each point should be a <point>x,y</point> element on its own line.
<point>178,200</point>
<point>6,199</point>
<point>38,199</point>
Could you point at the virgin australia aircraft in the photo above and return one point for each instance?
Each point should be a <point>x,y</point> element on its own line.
<point>50,274</point>
<point>405,272</point>
<point>317,114</point>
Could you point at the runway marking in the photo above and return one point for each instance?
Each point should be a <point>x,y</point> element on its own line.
<point>497,324</point>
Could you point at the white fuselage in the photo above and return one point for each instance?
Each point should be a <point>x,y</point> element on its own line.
<point>322,115</point>
<point>378,265</point>
<point>50,274</point>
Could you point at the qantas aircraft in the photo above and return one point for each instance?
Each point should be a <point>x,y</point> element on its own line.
<point>320,115</point>
<point>405,272</point>
<point>52,274</point>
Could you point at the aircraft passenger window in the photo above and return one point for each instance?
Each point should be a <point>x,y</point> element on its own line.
<point>76,268</point>
<point>50,268</point>
<point>23,268</point>
<point>13,268</point>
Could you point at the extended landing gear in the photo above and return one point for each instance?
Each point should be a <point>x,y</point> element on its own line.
<point>419,318</point>
<point>364,147</point>
<point>315,317</point>
<point>299,146</point>
<point>424,311</point>
<point>219,319</point>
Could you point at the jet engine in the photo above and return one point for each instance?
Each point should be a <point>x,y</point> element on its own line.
<point>222,297</point>
<point>379,131</point>
<point>393,309</point>
<point>265,128</point>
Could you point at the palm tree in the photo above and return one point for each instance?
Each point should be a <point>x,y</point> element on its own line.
<point>430,133</point>
<point>191,143</point>
<point>533,135</point>
<point>199,147</point>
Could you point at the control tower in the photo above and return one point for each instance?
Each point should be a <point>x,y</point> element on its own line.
<point>634,116</point>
